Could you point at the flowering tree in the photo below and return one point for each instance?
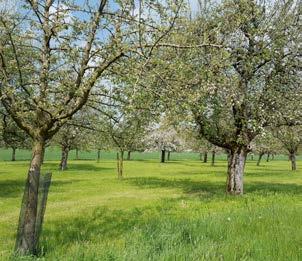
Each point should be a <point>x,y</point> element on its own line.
<point>163,137</point>
<point>52,54</point>
<point>291,139</point>
<point>12,136</point>
<point>71,136</point>
<point>265,143</point>
<point>246,79</point>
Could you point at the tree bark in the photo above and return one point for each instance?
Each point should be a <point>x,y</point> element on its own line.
<point>43,154</point>
<point>236,164</point>
<point>213,158</point>
<point>292,157</point>
<point>26,242</point>
<point>120,164</point>
<point>13,154</point>
<point>98,155</point>
<point>169,155</point>
<point>163,156</point>
<point>44,185</point>
<point>64,158</point>
<point>259,159</point>
<point>205,157</point>
<point>129,155</point>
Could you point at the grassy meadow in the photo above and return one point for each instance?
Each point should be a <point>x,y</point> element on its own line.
<point>172,211</point>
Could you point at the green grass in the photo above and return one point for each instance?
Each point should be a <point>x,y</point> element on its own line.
<point>172,211</point>
<point>54,153</point>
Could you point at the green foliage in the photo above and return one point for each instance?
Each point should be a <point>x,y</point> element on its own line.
<point>12,136</point>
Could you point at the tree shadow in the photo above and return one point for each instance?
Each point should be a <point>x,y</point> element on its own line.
<point>73,167</point>
<point>100,223</point>
<point>15,188</point>
<point>209,190</point>
<point>269,188</point>
<point>264,172</point>
<point>205,188</point>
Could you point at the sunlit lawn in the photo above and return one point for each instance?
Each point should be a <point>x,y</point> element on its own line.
<point>172,211</point>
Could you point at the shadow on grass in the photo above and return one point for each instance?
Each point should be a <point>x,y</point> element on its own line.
<point>268,188</point>
<point>15,188</point>
<point>267,171</point>
<point>209,190</point>
<point>101,223</point>
<point>73,167</point>
<point>188,186</point>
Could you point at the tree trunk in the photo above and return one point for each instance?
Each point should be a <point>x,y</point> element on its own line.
<point>13,154</point>
<point>205,157</point>
<point>267,158</point>
<point>213,158</point>
<point>169,155</point>
<point>99,155</point>
<point>200,156</point>
<point>236,164</point>
<point>163,156</point>
<point>120,164</point>
<point>77,154</point>
<point>43,154</point>
<point>129,155</point>
<point>259,159</point>
<point>26,242</point>
<point>292,157</point>
<point>252,157</point>
<point>44,185</point>
<point>64,158</point>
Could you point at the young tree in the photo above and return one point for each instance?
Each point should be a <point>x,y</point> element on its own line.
<point>265,143</point>
<point>71,136</point>
<point>163,137</point>
<point>13,137</point>
<point>51,56</point>
<point>124,125</point>
<point>99,142</point>
<point>291,139</point>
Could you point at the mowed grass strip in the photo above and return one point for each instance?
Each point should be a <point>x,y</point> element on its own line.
<point>172,211</point>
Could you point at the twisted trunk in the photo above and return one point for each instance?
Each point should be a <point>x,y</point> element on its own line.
<point>236,164</point>
<point>26,242</point>
<point>64,158</point>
